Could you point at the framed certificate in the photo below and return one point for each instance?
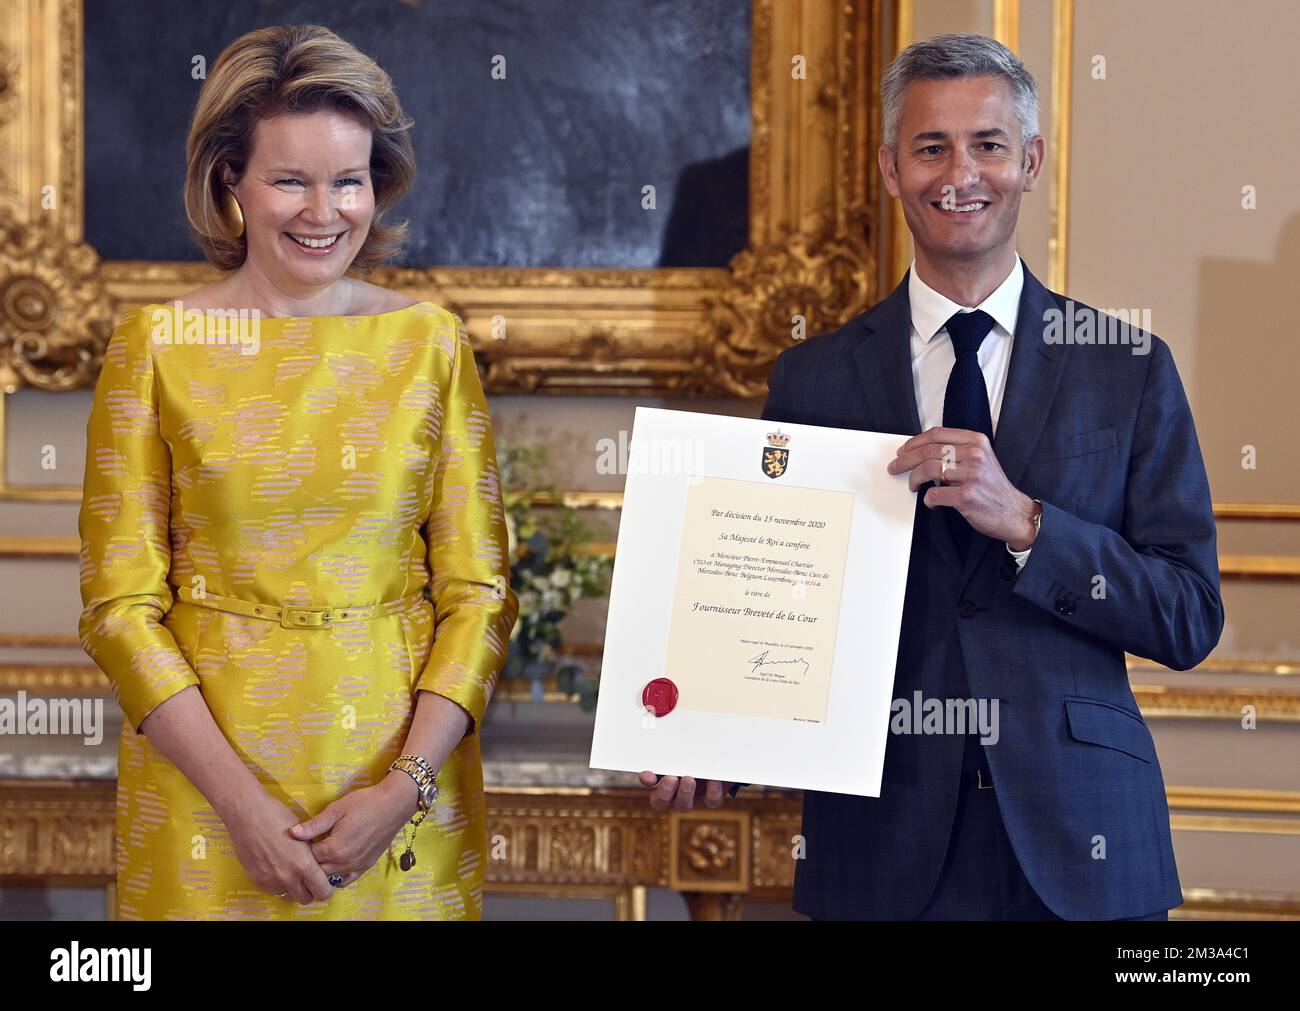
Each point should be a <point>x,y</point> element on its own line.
<point>756,603</point>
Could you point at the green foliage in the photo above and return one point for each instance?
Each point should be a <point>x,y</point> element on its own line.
<point>551,567</point>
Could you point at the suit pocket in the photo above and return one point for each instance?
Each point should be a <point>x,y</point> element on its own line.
<point>1095,722</point>
<point>1062,447</point>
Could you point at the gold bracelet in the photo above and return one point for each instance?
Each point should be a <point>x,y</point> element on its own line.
<point>426,781</point>
<point>422,776</point>
<point>422,762</point>
<point>407,860</point>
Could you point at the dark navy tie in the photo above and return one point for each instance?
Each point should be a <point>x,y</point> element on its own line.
<point>966,402</point>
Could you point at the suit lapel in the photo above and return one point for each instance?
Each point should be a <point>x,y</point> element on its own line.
<point>1032,379</point>
<point>884,362</point>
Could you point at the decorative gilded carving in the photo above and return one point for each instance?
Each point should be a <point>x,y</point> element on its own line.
<point>9,96</point>
<point>774,849</point>
<point>784,292</point>
<point>56,828</point>
<point>597,838</point>
<point>710,851</point>
<point>55,317</point>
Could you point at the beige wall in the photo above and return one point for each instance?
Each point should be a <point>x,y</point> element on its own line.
<point>1163,147</point>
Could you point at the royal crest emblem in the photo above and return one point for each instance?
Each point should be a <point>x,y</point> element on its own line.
<point>776,457</point>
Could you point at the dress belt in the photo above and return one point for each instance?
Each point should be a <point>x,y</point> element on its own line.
<point>293,616</point>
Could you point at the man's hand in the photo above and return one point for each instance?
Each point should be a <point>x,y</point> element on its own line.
<point>973,483</point>
<point>680,792</point>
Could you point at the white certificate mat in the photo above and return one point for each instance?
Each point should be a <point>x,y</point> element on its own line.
<point>761,569</point>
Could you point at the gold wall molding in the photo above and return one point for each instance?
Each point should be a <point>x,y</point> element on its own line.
<point>648,332</point>
<point>1259,566</point>
<point>1213,798</point>
<point>1006,23</point>
<point>38,640</point>
<point>1230,823</point>
<point>54,679</point>
<point>1228,904</point>
<point>1058,242</point>
<point>1220,665</point>
<point>1164,702</point>
<point>39,545</point>
<point>899,238</point>
<point>1257,510</point>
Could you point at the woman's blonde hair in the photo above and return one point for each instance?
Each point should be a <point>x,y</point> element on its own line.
<point>292,69</point>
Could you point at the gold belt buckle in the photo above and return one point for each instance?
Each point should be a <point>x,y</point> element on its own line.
<point>306,617</point>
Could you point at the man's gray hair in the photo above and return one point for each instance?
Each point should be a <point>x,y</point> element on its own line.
<point>950,56</point>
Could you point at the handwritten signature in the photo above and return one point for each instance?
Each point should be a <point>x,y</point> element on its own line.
<point>762,661</point>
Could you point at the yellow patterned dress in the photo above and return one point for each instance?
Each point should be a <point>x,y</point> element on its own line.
<point>310,462</point>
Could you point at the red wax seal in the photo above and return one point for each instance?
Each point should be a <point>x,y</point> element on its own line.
<point>660,696</point>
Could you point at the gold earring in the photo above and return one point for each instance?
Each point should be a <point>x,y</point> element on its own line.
<point>233,210</point>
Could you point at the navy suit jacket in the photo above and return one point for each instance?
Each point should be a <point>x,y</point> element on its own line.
<point>1105,438</point>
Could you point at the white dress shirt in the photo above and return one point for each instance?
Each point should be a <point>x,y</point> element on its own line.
<point>933,356</point>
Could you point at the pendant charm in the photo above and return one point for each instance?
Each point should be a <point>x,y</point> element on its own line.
<point>407,861</point>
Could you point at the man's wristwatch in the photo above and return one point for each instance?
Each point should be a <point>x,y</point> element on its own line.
<point>422,773</point>
<point>1038,520</point>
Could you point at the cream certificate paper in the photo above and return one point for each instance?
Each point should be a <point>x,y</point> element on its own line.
<point>759,576</point>
<point>756,603</point>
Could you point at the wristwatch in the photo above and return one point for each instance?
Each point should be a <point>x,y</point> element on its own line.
<point>422,774</point>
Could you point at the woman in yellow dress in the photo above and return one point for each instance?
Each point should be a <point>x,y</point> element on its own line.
<point>294,563</point>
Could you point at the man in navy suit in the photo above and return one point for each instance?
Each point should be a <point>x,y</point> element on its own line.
<point>1063,519</point>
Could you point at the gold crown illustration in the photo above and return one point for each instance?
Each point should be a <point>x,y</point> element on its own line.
<point>778,439</point>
